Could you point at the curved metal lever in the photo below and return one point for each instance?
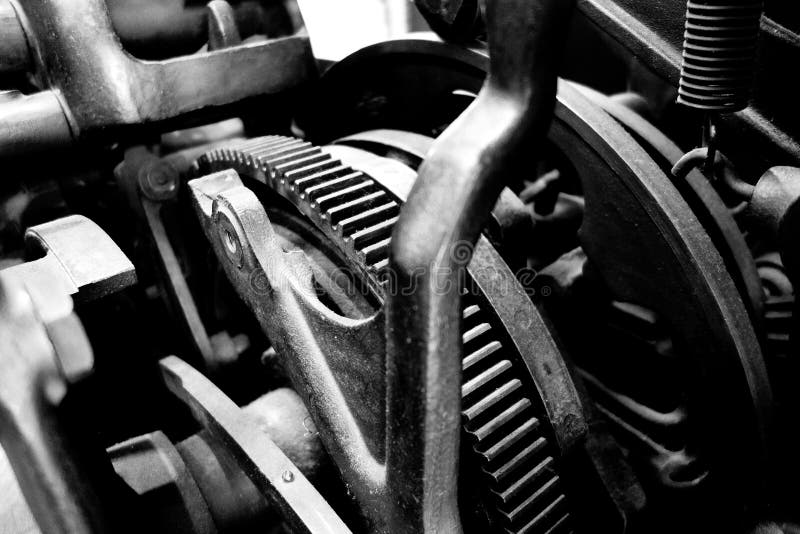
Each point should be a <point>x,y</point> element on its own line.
<point>432,244</point>
<point>315,344</point>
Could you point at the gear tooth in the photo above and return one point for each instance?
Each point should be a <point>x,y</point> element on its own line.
<point>504,475</point>
<point>473,359</point>
<point>476,411</point>
<point>369,217</point>
<point>307,163</point>
<point>303,184</point>
<point>293,175</point>
<point>473,333</point>
<point>511,439</point>
<point>470,311</point>
<point>380,267</point>
<point>550,516</point>
<point>347,209</point>
<point>515,492</point>
<point>290,153</point>
<point>343,195</point>
<point>505,417</point>
<point>276,145</point>
<point>371,234</point>
<point>376,251</point>
<point>329,185</point>
<point>486,377</point>
<point>359,215</point>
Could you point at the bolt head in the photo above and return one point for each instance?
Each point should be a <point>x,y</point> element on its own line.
<point>159,181</point>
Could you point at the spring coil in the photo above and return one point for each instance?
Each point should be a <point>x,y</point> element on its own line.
<point>719,50</point>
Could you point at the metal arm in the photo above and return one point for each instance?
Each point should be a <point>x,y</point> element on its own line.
<point>100,87</point>
<point>458,184</point>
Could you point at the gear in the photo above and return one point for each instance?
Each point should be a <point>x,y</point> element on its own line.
<point>507,429</point>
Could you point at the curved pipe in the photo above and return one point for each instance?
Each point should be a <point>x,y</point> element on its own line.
<point>432,244</point>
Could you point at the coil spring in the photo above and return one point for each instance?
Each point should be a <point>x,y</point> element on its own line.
<point>719,53</point>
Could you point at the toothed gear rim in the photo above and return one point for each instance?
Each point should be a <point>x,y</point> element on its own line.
<point>508,430</point>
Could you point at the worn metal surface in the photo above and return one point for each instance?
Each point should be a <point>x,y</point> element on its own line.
<point>101,87</point>
<point>315,342</point>
<point>458,184</point>
<point>364,92</point>
<point>76,255</point>
<point>504,362</point>
<point>423,394</point>
<point>271,471</point>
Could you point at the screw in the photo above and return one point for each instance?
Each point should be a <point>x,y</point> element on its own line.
<point>159,180</point>
<point>229,239</point>
<point>287,476</point>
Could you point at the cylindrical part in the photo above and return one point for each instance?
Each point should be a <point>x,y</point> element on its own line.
<point>32,123</point>
<point>719,50</point>
<point>15,55</point>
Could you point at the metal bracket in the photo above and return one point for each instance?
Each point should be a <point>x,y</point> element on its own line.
<point>77,256</point>
<point>316,344</point>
